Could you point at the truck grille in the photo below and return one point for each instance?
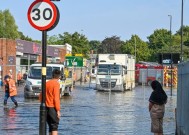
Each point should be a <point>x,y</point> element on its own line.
<point>36,89</point>
<point>106,84</point>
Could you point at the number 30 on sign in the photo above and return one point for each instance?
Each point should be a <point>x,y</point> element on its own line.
<point>42,14</point>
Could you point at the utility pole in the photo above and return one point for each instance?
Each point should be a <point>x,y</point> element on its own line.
<point>181,31</point>
<point>135,49</point>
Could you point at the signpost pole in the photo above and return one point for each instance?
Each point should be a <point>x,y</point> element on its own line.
<point>42,120</point>
<point>43,15</point>
<point>171,74</point>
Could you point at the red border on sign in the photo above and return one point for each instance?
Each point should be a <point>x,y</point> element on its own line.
<point>54,16</point>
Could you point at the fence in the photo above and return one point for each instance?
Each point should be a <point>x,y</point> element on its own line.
<point>93,77</point>
<point>133,77</point>
<point>182,117</point>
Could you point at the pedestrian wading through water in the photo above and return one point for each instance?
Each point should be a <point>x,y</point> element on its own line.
<point>10,90</point>
<point>157,102</point>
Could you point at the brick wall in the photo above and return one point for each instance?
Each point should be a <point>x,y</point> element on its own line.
<point>7,50</point>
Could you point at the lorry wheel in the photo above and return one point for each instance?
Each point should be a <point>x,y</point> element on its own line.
<point>149,82</point>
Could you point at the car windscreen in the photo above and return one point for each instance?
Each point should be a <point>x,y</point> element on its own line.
<point>106,69</point>
<point>35,72</point>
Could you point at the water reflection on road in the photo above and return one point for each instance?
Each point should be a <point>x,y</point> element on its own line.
<point>88,112</point>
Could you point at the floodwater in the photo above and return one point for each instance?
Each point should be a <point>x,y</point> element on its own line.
<point>89,112</point>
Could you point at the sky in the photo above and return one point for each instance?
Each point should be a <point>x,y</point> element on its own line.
<point>98,19</point>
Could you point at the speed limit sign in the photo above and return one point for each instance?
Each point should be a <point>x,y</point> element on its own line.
<point>43,14</point>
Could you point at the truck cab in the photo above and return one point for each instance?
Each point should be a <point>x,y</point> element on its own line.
<point>32,87</point>
<point>115,72</point>
<point>111,76</point>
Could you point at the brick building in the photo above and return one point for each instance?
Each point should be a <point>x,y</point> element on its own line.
<point>18,55</point>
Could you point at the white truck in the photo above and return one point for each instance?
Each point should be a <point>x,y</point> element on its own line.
<point>115,72</point>
<point>32,87</point>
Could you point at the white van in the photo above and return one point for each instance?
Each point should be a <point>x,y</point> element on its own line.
<point>32,88</point>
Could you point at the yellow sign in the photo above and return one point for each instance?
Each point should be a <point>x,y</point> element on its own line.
<point>44,71</point>
<point>68,54</point>
<point>79,55</point>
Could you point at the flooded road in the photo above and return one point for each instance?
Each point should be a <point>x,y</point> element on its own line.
<point>88,112</point>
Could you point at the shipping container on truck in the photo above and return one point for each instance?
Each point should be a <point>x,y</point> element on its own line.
<point>115,72</point>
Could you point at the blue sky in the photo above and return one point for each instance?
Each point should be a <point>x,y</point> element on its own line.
<point>98,19</point>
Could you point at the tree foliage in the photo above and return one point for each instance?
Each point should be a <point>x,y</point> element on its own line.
<point>111,45</point>
<point>23,37</point>
<point>8,27</point>
<point>136,44</point>
<point>80,44</point>
<point>94,45</point>
<point>159,39</point>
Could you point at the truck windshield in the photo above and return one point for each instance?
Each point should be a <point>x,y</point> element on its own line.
<point>106,69</point>
<point>35,72</point>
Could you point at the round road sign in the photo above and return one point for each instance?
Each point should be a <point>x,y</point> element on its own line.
<point>42,14</point>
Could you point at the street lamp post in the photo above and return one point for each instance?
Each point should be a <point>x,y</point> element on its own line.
<point>181,31</point>
<point>171,54</point>
<point>135,49</point>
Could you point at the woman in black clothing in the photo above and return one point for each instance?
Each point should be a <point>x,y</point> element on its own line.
<point>157,102</point>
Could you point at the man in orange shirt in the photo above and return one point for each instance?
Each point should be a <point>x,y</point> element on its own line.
<point>53,102</point>
<point>19,77</point>
<point>10,90</point>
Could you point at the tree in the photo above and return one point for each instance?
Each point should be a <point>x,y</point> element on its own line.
<point>2,29</point>
<point>9,28</point>
<point>185,31</point>
<point>111,45</point>
<point>142,50</point>
<point>53,40</point>
<point>159,39</point>
<point>94,45</point>
<point>80,44</point>
<point>23,37</point>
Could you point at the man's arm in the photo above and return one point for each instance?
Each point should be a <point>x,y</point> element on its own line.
<point>57,99</point>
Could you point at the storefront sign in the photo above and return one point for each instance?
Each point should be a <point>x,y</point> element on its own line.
<point>34,48</point>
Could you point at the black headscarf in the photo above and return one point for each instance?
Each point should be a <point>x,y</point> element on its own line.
<point>158,95</point>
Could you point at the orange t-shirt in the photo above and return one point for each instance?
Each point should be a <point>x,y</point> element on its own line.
<point>52,94</point>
